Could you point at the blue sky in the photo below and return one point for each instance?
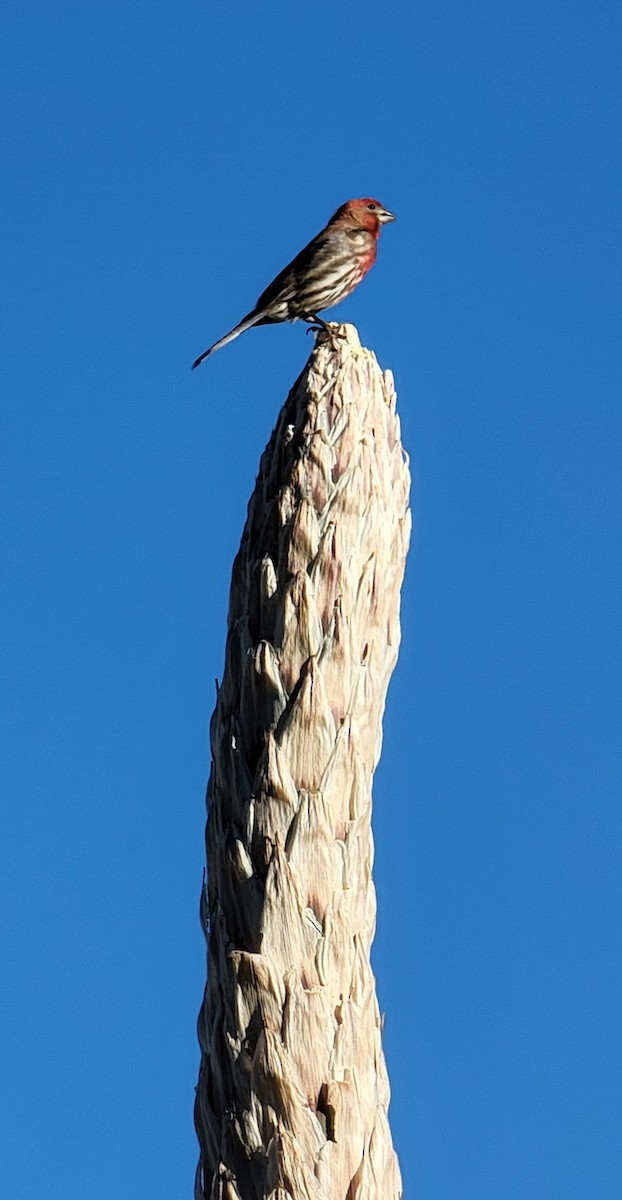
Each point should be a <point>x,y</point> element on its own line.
<point>165,161</point>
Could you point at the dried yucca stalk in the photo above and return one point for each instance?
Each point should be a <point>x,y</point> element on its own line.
<point>293,1092</point>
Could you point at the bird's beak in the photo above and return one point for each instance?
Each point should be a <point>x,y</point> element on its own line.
<point>384,216</point>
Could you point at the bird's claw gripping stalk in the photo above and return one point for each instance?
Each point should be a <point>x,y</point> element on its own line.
<point>317,325</point>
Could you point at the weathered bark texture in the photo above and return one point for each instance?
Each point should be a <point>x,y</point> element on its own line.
<point>293,1091</point>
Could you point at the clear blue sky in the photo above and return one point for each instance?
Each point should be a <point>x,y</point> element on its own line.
<point>165,160</point>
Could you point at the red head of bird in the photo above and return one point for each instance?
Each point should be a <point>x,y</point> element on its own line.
<point>364,213</point>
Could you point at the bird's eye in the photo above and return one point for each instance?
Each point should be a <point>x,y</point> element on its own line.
<point>371,207</point>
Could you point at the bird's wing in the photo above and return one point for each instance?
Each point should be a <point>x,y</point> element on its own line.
<point>286,284</point>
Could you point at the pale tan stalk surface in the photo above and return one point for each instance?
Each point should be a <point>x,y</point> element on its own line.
<point>293,1091</point>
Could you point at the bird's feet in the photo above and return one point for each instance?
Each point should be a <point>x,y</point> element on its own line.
<point>317,325</point>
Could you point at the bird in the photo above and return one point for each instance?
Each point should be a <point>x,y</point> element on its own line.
<point>324,273</point>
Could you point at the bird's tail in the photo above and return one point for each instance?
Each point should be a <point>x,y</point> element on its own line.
<point>252,318</point>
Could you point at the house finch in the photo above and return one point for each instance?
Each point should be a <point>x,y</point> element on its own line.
<point>324,273</point>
